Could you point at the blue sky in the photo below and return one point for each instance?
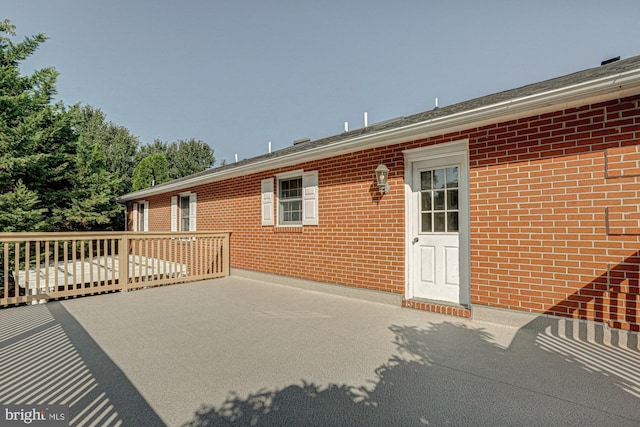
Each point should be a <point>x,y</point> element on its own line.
<point>238,74</point>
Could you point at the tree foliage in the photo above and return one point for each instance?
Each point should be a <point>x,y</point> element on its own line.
<point>62,168</point>
<point>116,143</point>
<point>185,157</point>
<point>188,157</point>
<point>151,170</point>
<point>21,210</point>
<point>45,164</point>
<point>37,141</point>
<point>94,189</point>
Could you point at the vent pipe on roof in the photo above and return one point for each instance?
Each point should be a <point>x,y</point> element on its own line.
<point>301,140</point>
<point>346,126</point>
<point>236,157</point>
<point>436,103</point>
<point>366,119</point>
<point>269,147</point>
<point>609,61</point>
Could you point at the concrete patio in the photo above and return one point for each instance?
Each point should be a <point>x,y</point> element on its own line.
<point>240,352</point>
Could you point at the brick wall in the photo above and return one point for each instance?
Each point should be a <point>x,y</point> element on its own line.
<point>360,237</point>
<point>539,196</point>
<point>538,228</point>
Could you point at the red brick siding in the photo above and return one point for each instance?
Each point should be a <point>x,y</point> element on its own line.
<point>538,198</point>
<point>360,237</point>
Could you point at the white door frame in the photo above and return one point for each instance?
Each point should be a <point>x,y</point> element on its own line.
<point>456,148</point>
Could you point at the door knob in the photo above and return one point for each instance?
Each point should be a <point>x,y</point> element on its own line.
<point>415,240</point>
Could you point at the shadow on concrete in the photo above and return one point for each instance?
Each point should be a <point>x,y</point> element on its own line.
<point>612,299</point>
<point>47,358</point>
<point>452,374</point>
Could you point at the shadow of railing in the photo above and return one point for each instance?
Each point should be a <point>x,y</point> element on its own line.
<point>612,299</point>
<point>47,358</point>
<point>452,374</point>
<point>447,373</point>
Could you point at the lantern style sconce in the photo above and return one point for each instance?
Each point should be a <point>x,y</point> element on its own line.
<point>382,178</point>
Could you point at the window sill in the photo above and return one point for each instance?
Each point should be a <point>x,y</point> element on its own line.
<point>288,229</point>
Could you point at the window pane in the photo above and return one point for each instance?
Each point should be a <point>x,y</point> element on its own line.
<point>291,188</point>
<point>452,221</point>
<point>142,226</point>
<point>452,177</point>
<point>438,178</point>
<point>452,199</point>
<point>184,202</point>
<point>426,201</point>
<point>425,180</point>
<point>438,221</point>
<point>426,223</point>
<point>438,200</point>
<point>291,212</point>
<point>184,213</point>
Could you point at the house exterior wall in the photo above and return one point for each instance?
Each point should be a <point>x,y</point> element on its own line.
<point>359,240</point>
<point>539,198</point>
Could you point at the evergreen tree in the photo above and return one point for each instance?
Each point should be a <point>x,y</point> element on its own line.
<point>37,141</point>
<point>117,144</point>
<point>94,189</point>
<point>49,161</point>
<point>61,169</point>
<point>20,211</point>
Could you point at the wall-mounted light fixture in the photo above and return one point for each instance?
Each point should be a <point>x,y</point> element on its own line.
<point>382,178</point>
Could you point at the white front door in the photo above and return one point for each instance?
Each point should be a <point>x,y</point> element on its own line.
<point>437,211</point>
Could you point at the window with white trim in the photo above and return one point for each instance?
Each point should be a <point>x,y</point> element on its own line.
<point>143,216</point>
<point>134,216</point>
<point>183,212</point>
<point>297,199</point>
<point>140,216</point>
<point>290,201</point>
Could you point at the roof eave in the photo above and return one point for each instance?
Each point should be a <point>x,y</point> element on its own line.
<point>610,87</point>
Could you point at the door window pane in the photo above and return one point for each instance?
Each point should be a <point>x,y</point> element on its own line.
<point>438,200</point>
<point>426,223</point>
<point>426,201</point>
<point>439,222</point>
<point>452,221</point>
<point>425,180</point>
<point>438,178</point>
<point>452,199</point>
<point>452,177</point>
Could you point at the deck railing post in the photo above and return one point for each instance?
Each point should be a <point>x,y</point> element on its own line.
<point>123,262</point>
<point>225,254</point>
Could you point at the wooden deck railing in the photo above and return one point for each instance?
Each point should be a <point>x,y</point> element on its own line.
<point>42,266</point>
